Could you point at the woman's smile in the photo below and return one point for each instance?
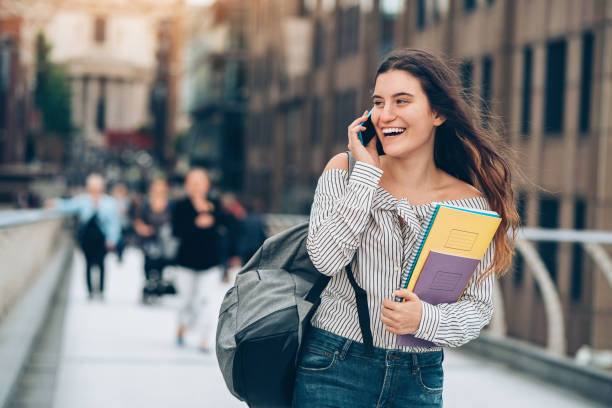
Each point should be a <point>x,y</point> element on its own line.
<point>393,131</point>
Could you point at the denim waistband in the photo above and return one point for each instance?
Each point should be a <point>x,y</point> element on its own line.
<point>344,346</point>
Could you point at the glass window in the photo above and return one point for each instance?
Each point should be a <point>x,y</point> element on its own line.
<point>577,251</point>
<point>465,72</point>
<point>585,81</point>
<point>526,101</point>
<point>519,264</point>
<point>555,87</point>
<point>319,50</point>
<point>469,5</point>
<point>549,218</point>
<point>420,14</point>
<point>316,125</point>
<point>99,30</point>
<point>345,113</point>
<point>487,74</point>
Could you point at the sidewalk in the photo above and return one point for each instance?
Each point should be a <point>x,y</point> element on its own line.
<point>119,353</point>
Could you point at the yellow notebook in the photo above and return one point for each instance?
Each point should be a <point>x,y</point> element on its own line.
<point>453,230</point>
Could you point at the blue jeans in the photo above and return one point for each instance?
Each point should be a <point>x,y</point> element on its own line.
<point>337,372</point>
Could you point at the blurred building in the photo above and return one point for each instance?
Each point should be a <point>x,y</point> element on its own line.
<point>544,67</point>
<point>215,89</point>
<point>121,57</point>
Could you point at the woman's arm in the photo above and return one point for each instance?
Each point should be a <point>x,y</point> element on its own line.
<point>454,324</point>
<point>339,213</point>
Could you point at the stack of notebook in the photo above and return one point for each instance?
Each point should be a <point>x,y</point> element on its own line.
<point>450,249</point>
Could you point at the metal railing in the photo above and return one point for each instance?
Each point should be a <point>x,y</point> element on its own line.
<point>591,242</point>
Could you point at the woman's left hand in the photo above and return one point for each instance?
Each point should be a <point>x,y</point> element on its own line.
<point>402,317</point>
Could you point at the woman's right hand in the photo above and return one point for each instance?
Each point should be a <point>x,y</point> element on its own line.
<point>367,154</point>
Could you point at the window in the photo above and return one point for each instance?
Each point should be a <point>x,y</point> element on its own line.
<point>527,81</point>
<point>101,107</point>
<point>469,5</point>
<point>345,113</point>
<point>100,30</point>
<point>487,72</point>
<point>316,125</point>
<point>387,29</point>
<point>585,82</point>
<point>466,70</point>
<point>519,264</point>
<point>348,31</point>
<point>555,87</point>
<point>577,251</point>
<point>319,50</point>
<point>420,14</point>
<point>549,218</point>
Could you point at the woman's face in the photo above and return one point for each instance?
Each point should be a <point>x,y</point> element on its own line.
<point>404,121</point>
<point>197,183</point>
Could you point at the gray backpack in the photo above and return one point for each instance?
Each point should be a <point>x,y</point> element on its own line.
<point>264,317</point>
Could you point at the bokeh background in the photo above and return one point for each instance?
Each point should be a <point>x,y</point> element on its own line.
<point>260,92</point>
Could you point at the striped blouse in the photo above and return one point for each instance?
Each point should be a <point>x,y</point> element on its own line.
<point>358,217</point>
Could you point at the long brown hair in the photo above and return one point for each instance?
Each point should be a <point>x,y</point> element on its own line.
<point>463,147</point>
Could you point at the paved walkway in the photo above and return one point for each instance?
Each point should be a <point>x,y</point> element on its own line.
<point>120,353</point>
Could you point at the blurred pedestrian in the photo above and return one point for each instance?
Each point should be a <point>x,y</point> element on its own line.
<point>252,231</point>
<point>121,194</point>
<point>99,228</point>
<point>195,222</point>
<point>152,225</point>
<point>234,214</point>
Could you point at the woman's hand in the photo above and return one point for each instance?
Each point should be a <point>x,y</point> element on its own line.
<point>402,317</point>
<point>142,229</point>
<point>367,154</point>
<point>204,220</point>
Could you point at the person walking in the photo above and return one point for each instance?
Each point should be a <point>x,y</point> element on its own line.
<point>99,226</point>
<point>152,226</point>
<point>436,151</point>
<point>196,220</point>
<point>121,194</point>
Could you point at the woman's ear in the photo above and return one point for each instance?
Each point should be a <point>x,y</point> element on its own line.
<point>438,119</point>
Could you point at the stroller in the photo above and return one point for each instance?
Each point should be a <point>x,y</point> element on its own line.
<point>158,251</point>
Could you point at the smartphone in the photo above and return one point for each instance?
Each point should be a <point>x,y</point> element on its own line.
<point>370,132</point>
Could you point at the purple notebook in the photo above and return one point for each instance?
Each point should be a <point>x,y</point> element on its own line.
<point>442,280</point>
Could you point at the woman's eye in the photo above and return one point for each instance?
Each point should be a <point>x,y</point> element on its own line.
<point>378,103</point>
<point>401,101</point>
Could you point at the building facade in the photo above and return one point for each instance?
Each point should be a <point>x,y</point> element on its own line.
<point>215,90</point>
<point>544,67</point>
<point>118,56</point>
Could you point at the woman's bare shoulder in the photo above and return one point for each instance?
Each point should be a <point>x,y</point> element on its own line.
<point>458,190</point>
<point>339,162</point>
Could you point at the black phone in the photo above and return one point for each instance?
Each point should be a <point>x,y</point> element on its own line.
<point>370,132</point>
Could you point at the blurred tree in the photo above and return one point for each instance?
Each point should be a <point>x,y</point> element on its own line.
<point>52,94</point>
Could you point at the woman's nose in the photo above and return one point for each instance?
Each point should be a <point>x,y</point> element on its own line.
<point>387,114</point>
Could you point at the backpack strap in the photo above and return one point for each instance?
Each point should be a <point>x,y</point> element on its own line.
<point>314,293</point>
<point>361,296</point>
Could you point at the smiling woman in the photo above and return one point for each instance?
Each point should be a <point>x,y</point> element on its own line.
<point>435,150</point>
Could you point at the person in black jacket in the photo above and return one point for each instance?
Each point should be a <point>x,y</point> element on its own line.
<point>196,222</point>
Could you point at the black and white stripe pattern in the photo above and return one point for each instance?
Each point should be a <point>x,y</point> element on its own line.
<point>357,220</point>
